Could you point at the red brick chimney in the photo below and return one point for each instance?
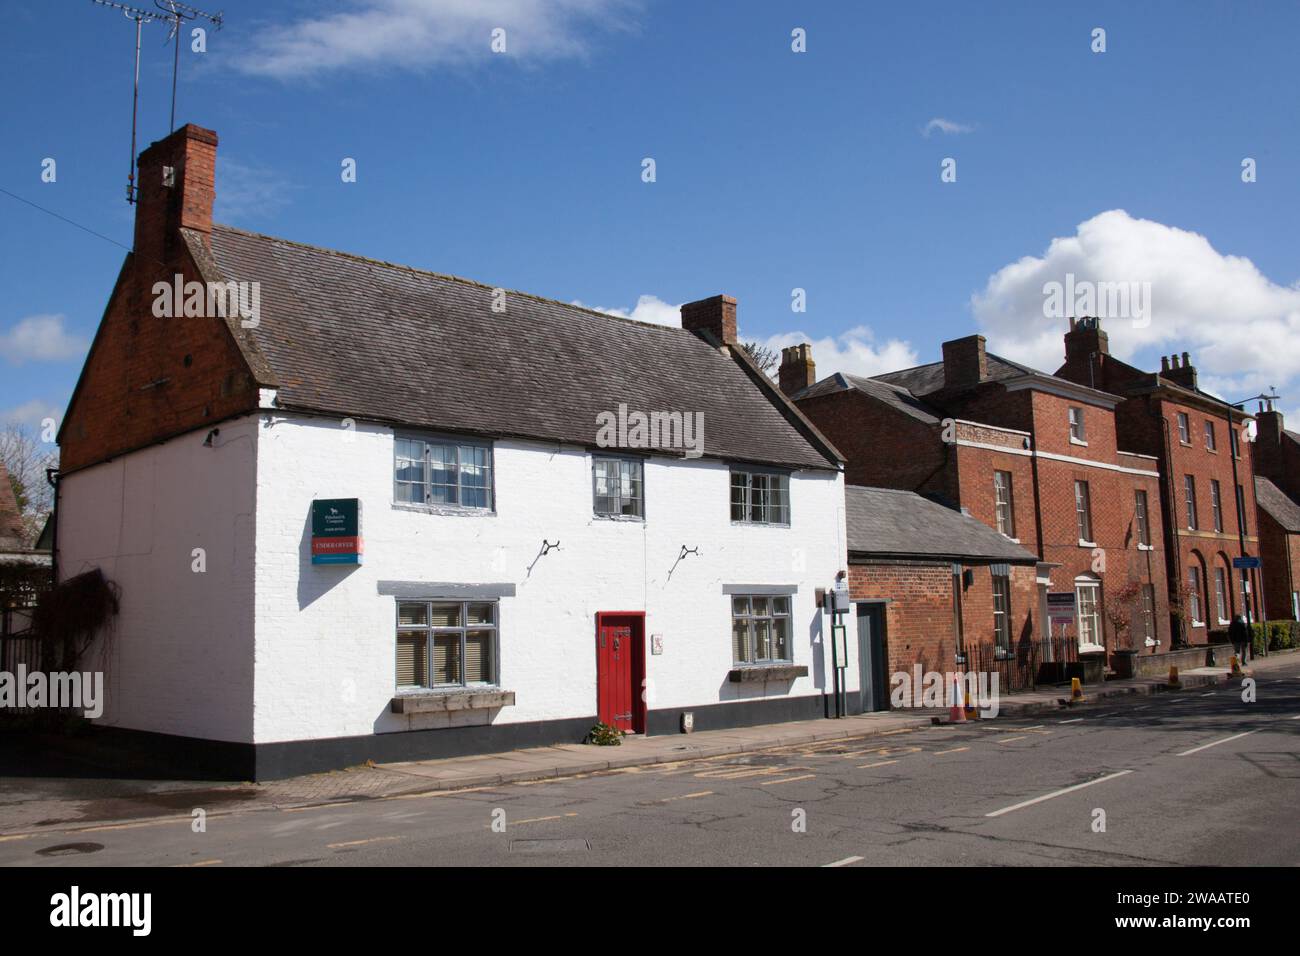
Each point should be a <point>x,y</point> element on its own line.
<point>176,177</point>
<point>1183,373</point>
<point>798,370</point>
<point>964,362</point>
<point>714,317</point>
<point>1269,460</point>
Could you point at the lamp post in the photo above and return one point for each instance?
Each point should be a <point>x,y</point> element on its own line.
<point>1239,494</point>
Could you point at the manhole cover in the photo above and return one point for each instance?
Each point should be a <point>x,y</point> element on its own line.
<point>549,846</point>
<point>68,849</point>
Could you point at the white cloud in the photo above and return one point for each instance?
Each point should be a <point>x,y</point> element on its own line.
<point>1239,326</point>
<point>40,338</point>
<point>855,352</point>
<point>941,125</point>
<point>648,308</point>
<point>31,414</point>
<point>414,34</point>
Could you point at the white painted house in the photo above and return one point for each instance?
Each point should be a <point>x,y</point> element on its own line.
<point>519,578</point>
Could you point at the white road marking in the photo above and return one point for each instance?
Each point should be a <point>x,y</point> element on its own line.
<point>769,783</point>
<point>955,750</point>
<point>844,862</point>
<point>1057,793</point>
<point>1072,720</point>
<point>688,796</point>
<point>1215,743</point>
<point>1007,740</point>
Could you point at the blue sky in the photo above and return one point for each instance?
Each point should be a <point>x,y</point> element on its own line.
<point>775,170</point>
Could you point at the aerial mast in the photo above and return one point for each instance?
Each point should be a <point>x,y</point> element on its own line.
<point>140,17</point>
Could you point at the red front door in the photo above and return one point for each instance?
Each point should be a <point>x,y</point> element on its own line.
<point>619,664</point>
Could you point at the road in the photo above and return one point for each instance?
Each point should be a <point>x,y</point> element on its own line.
<point>1199,777</point>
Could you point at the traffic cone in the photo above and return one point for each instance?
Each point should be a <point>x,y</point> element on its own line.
<point>956,713</point>
<point>972,712</point>
<point>1076,690</point>
<point>1174,683</point>
<point>1236,666</point>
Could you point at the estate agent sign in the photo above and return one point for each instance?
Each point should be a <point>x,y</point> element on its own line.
<point>336,531</point>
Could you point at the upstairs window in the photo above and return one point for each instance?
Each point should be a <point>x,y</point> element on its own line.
<point>1006,516</point>
<point>619,487</point>
<point>1241,511</point>
<point>1143,520</point>
<point>1083,511</point>
<point>1232,442</point>
<point>443,472</point>
<point>1002,607</point>
<point>1216,504</point>
<point>760,497</point>
<point>1210,441</point>
<point>1077,431</point>
<point>1184,429</point>
<point>1189,501</point>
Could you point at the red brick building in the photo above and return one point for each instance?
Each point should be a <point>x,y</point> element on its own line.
<point>1207,491</point>
<point>1034,456</point>
<point>935,587</point>
<point>1275,454</point>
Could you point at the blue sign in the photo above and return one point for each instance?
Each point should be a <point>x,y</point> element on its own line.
<point>1245,563</point>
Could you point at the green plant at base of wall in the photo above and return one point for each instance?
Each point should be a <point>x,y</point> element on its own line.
<point>604,735</point>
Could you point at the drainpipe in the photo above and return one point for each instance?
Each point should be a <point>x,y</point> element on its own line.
<point>1173,559</point>
<point>1240,501</point>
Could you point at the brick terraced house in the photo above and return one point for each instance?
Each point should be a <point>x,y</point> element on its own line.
<point>1275,454</point>
<point>931,586</point>
<point>1208,489</point>
<point>1034,456</point>
<point>374,517</point>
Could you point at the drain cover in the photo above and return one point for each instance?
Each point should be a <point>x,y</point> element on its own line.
<point>68,849</point>
<point>549,846</point>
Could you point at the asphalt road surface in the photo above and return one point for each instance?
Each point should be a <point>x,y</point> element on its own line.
<point>1199,777</point>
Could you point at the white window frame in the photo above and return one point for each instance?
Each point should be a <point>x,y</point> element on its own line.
<point>1196,612</point>
<point>1216,504</point>
<point>772,616</point>
<point>1211,440</point>
<point>1184,428</point>
<point>1142,514</point>
<point>1004,503</point>
<point>431,631</point>
<point>1087,614</point>
<point>1001,614</point>
<point>1078,429</point>
<point>1221,593</point>
<point>461,468</point>
<point>1189,503</point>
<point>773,514</point>
<point>1148,605</point>
<point>1083,512</point>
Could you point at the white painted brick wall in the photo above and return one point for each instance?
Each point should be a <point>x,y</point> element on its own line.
<point>325,637</point>
<point>180,659</point>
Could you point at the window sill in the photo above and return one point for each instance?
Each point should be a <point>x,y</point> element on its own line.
<point>761,673</point>
<point>1091,649</point>
<point>443,509</point>
<point>1087,544</point>
<point>446,701</point>
<point>1078,441</point>
<point>1146,547</point>
<point>624,519</point>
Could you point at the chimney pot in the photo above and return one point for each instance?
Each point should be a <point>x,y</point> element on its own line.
<point>1164,363</point>
<point>797,371</point>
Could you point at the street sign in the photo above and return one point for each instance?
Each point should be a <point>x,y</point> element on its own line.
<point>1246,563</point>
<point>336,531</point>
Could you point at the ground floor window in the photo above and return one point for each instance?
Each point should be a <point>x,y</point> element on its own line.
<point>1087,596</point>
<point>1002,609</point>
<point>1221,594</point>
<point>760,629</point>
<point>1147,621</point>
<point>446,643</point>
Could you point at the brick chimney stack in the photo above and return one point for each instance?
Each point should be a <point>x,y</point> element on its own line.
<point>965,363</point>
<point>798,370</point>
<point>1085,338</point>
<point>176,188</point>
<point>1180,372</point>
<point>715,317</point>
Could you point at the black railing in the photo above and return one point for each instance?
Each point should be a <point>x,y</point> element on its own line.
<point>1025,664</point>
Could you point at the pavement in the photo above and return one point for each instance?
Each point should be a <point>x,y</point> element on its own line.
<point>49,793</point>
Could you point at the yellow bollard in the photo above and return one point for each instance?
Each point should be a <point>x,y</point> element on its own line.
<point>1076,689</point>
<point>1174,683</point>
<point>1236,666</point>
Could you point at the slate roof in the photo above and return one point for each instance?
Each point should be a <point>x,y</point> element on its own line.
<point>1279,505</point>
<point>346,335</point>
<point>923,379</point>
<point>892,522</point>
<point>894,396</point>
